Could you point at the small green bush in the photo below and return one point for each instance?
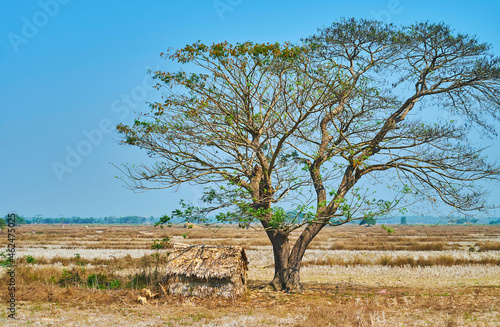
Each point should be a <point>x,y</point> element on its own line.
<point>161,244</point>
<point>389,230</point>
<point>6,258</point>
<point>30,259</point>
<point>69,278</point>
<point>114,284</point>
<point>98,281</point>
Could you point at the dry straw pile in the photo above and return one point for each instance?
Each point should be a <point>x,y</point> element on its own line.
<point>207,270</point>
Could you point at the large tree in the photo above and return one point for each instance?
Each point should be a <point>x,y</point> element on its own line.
<point>294,136</point>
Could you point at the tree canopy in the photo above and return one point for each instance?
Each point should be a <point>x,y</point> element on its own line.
<point>295,135</point>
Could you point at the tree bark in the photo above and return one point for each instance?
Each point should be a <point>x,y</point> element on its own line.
<point>287,263</point>
<point>281,252</point>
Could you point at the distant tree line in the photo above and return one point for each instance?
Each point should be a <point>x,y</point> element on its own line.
<point>19,221</point>
<point>128,220</point>
<point>137,220</point>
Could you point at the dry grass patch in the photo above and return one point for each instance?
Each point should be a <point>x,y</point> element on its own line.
<point>410,238</point>
<point>488,246</point>
<point>320,305</point>
<point>420,276</point>
<point>441,260</point>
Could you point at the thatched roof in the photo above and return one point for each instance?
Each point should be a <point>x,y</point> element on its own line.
<point>206,261</point>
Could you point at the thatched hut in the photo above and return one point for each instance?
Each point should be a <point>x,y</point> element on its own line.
<point>207,270</point>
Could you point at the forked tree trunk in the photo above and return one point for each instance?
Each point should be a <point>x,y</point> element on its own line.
<point>281,252</point>
<point>287,263</point>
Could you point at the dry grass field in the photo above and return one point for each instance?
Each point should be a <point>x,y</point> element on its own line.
<point>353,276</point>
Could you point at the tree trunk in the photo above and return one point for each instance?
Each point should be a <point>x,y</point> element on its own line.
<point>287,263</point>
<point>281,252</point>
<point>286,269</point>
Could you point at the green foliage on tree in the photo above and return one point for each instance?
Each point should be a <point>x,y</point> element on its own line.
<point>19,220</point>
<point>127,220</point>
<point>466,220</point>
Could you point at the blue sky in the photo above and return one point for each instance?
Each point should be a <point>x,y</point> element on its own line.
<point>70,70</point>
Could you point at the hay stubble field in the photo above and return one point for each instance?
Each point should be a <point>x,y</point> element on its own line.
<point>352,275</point>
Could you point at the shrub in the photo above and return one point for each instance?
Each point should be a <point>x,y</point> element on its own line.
<point>98,281</point>
<point>161,244</point>
<point>69,278</point>
<point>30,259</point>
<point>389,230</point>
<point>114,284</point>
<point>6,258</point>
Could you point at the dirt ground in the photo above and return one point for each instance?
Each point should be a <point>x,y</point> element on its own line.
<point>342,287</point>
